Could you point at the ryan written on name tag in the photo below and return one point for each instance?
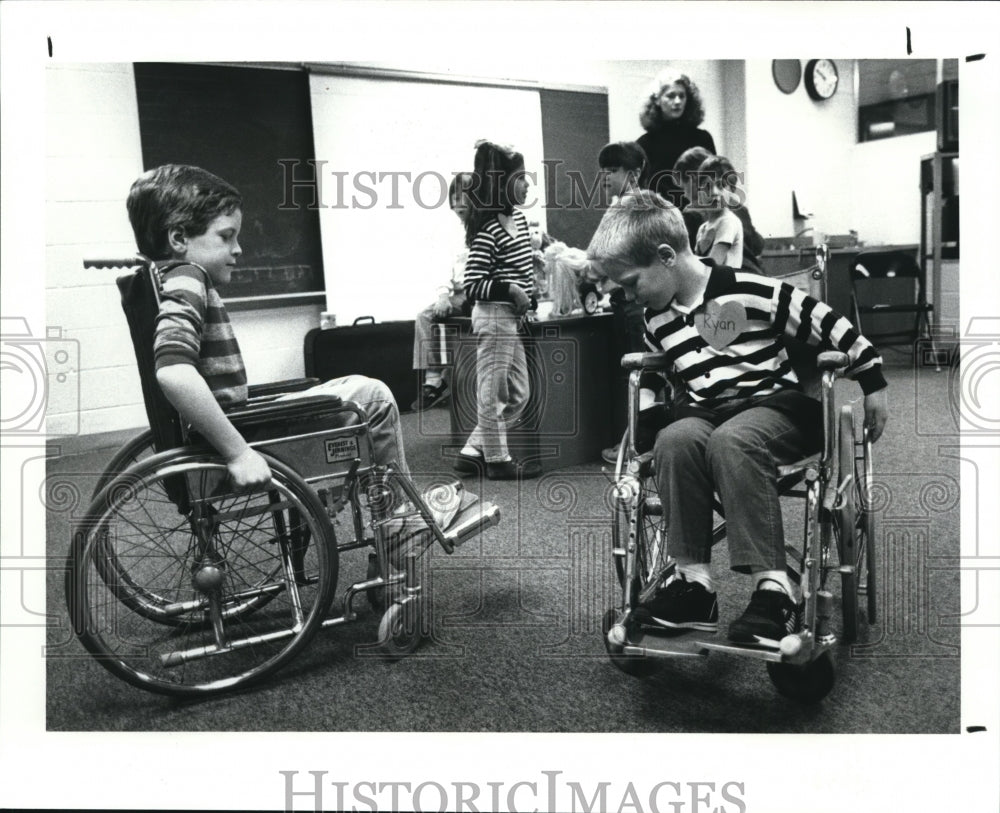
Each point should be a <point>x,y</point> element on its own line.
<point>721,325</point>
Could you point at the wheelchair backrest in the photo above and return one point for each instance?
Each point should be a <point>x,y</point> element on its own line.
<point>811,281</point>
<point>140,301</point>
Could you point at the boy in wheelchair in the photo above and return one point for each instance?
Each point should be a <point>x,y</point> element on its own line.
<point>739,411</point>
<point>188,221</point>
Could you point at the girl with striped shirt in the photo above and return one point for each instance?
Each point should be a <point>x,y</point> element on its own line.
<point>499,280</point>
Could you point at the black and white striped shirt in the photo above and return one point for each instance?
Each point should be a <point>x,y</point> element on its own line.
<point>496,261</point>
<point>732,345</point>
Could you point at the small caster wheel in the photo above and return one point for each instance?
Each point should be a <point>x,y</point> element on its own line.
<point>635,665</point>
<point>806,683</point>
<point>399,632</point>
<point>375,595</point>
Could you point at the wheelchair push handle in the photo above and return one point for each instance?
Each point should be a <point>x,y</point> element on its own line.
<point>832,360</point>
<point>644,361</point>
<point>119,263</point>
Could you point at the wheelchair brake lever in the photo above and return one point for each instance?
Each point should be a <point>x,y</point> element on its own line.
<point>350,479</point>
<point>840,497</point>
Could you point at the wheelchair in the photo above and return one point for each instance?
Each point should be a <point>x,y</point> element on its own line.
<point>838,539</point>
<point>183,586</point>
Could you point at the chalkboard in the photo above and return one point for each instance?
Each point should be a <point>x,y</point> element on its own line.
<point>239,123</point>
<point>574,128</point>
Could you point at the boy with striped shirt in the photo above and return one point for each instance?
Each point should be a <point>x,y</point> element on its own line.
<point>188,221</point>
<point>740,412</point>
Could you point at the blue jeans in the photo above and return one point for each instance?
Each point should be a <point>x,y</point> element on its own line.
<point>502,385</point>
<point>376,399</point>
<point>695,457</point>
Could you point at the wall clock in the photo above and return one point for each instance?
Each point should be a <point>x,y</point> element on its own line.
<point>787,74</point>
<point>821,79</point>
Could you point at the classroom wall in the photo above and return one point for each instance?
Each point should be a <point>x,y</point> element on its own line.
<point>795,144</point>
<point>93,153</point>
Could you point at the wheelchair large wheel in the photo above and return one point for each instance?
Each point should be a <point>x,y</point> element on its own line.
<point>866,523</point>
<point>854,526</point>
<point>112,562</point>
<point>806,683</point>
<point>223,588</point>
<point>642,514</point>
<point>136,450</point>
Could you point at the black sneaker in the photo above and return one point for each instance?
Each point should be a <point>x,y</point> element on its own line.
<point>468,464</point>
<point>513,469</point>
<point>681,605</point>
<point>610,455</point>
<point>769,617</point>
<point>429,396</point>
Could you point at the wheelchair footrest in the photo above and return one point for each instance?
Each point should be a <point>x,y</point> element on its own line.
<point>472,520</point>
<point>650,644</point>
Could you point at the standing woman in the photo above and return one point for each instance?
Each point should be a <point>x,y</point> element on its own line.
<point>671,118</point>
<point>499,279</point>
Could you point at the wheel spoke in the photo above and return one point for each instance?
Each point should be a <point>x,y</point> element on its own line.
<point>181,612</point>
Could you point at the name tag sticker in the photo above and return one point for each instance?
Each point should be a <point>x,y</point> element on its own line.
<point>340,449</point>
<point>721,325</point>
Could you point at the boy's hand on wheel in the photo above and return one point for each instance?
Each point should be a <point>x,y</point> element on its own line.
<point>249,471</point>
<point>876,413</point>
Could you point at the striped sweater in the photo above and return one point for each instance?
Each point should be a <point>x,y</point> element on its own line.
<point>496,261</point>
<point>732,345</point>
<point>193,328</point>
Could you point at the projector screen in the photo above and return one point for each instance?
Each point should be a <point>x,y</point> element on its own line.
<point>390,148</point>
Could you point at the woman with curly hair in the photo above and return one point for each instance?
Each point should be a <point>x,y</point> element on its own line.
<point>671,117</point>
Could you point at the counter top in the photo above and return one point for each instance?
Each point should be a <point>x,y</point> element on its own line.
<point>796,252</point>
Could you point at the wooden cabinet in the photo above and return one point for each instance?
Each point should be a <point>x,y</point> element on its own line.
<point>572,364</point>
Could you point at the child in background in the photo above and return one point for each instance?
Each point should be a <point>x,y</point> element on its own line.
<point>710,168</point>
<point>739,412</point>
<point>686,171</point>
<point>450,302</point>
<point>720,236</point>
<point>624,168</point>
<point>188,221</point>
<point>499,280</point>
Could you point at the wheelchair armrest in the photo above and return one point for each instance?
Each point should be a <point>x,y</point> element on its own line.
<point>644,361</point>
<point>311,407</point>
<point>281,387</point>
<point>832,360</point>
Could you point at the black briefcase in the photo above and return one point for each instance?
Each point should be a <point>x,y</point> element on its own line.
<point>382,350</point>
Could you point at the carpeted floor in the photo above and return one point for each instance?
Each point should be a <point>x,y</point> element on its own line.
<point>515,619</point>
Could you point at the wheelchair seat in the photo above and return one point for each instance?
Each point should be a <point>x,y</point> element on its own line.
<point>264,418</point>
